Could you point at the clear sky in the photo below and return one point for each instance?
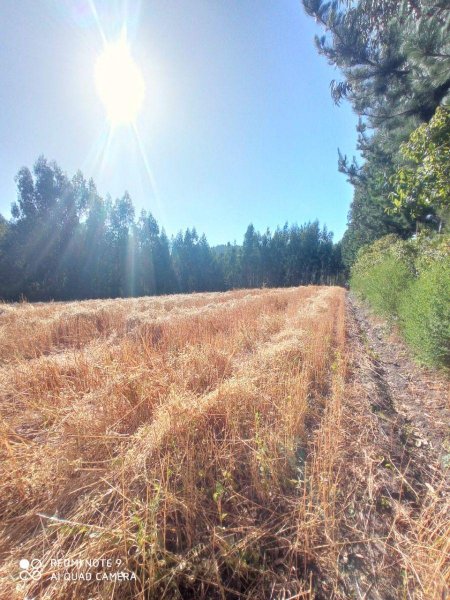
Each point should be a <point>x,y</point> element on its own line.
<point>237,124</point>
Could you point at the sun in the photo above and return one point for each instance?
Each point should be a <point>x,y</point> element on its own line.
<point>119,82</point>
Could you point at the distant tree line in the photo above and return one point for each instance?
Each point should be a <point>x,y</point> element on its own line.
<point>64,241</point>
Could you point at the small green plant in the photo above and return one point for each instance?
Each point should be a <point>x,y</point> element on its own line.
<point>384,504</point>
<point>261,452</point>
<point>217,497</point>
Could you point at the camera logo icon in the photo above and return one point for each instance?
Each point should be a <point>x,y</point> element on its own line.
<point>30,570</point>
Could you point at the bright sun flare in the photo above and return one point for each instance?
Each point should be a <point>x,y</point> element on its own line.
<point>119,82</point>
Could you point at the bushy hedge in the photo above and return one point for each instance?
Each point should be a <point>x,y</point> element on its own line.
<point>382,272</point>
<point>424,314</point>
<point>409,282</point>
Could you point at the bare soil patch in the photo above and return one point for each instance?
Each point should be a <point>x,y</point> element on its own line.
<point>394,527</point>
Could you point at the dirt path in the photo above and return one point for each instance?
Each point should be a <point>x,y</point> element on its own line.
<point>419,395</point>
<point>394,530</point>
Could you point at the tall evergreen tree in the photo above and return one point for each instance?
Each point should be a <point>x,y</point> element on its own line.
<point>251,258</point>
<point>395,61</point>
<point>147,233</point>
<point>94,256</point>
<point>394,55</point>
<point>165,274</point>
<point>121,248</point>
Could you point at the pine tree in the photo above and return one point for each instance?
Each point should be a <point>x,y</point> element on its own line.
<point>121,243</point>
<point>147,235</point>
<point>395,61</point>
<point>251,258</point>
<point>395,56</point>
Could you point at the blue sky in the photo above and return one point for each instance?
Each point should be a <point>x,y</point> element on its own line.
<point>237,126</point>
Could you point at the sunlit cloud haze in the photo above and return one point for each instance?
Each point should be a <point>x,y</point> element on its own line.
<point>234,122</point>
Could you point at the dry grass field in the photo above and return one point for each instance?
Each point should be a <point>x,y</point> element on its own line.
<point>202,446</point>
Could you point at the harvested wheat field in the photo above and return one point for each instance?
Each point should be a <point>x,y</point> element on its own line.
<point>244,444</point>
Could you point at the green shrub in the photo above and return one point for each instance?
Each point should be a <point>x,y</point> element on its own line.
<point>381,273</point>
<point>383,285</point>
<point>424,313</point>
<point>410,281</point>
<point>433,249</point>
